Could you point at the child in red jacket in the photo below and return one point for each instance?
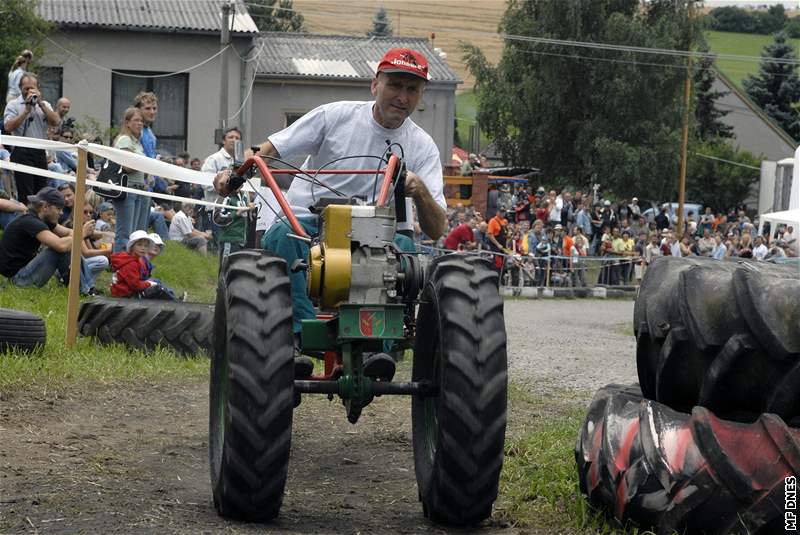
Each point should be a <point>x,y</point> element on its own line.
<point>131,273</point>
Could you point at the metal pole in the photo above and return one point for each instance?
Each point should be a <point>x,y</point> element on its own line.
<point>73,290</point>
<point>224,41</point>
<point>687,92</point>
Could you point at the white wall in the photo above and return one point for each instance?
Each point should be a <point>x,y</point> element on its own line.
<point>272,99</point>
<point>89,87</point>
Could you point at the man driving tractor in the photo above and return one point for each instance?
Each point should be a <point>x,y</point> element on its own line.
<point>365,133</point>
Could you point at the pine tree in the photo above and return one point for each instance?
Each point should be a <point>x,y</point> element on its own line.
<point>708,116</point>
<point>776,87</point>
<point>381,26</point>
<point>271,18</point>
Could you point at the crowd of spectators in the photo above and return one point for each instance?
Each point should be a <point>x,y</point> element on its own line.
<point>552,238</point>
<point>36,212</point>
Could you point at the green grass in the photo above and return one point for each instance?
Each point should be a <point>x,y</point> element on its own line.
<point>742,44</point>
<point>54,366</point>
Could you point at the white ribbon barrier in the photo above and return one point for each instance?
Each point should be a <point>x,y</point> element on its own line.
<point>124,158</point>
<point>105,185</point>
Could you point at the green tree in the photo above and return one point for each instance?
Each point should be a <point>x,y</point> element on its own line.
<point>776,87</point>
<point>381,25</point>
<point>275,16</point>
<point>586,115</point>
<point>717,183</point>
<point>707,115</point>
<point>20,28</point>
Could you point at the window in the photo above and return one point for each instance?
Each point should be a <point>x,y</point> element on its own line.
<point>173,105</point>
<point>51,84</point>
<point>292,116</point>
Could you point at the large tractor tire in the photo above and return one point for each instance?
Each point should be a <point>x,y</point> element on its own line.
<point>723,335</point>
<point>685,473</point>
<point>252,387</point>
<point>460,347</point>
<point>147,323</point>
<point>21,331</point>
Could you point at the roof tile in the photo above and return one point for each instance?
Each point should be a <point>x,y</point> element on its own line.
<point>156,15</point>
<point>283,52</point>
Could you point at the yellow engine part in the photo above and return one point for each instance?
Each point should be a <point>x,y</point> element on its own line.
<point>330,261</point>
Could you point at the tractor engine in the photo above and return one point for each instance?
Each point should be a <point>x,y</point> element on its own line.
<point>357,262</point>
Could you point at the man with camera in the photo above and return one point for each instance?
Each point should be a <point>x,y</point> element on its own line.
<point>28,116</point>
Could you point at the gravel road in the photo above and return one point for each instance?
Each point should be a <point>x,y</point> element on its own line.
<point>579,344</point>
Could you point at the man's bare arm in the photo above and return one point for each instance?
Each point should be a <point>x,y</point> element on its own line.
<point>432,219</point>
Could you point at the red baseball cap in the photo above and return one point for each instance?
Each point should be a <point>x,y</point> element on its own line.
<point>404,60</point>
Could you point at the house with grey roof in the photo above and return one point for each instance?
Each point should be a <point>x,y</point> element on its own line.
<point>297,72</point>
<point>104,52</point>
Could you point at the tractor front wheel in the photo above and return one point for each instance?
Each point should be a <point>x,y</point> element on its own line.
<point>461,348</point>
<point>252,387</point>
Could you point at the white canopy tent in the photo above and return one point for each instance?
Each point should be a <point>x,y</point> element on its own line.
<point>787,217</point>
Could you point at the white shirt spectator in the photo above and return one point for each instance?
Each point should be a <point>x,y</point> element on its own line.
<point>219,161</point>
<point>651,252</point>
<point>760,252</point>
<point>675,249</point>
<point>180,226</point>
<point>719,251</point>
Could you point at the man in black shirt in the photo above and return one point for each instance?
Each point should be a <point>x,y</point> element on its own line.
<point>20,258</point>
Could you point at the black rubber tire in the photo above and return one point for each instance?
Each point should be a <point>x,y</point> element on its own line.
<point>723,335</point>
<point>146,324</point>
<point>461,346</point>
<point>252,387</point>
<point>686,473</point>
<point>21,331</point>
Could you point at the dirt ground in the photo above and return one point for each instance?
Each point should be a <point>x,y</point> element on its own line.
<point>134,460</point>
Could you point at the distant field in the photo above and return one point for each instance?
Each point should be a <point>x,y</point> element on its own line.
<point>742,44</point>
<point>451,21</point>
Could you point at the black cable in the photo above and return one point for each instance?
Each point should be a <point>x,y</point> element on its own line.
<point>403,158</point>
<point>384,158</point>
<point>326,164</point>
<point>310,177</point>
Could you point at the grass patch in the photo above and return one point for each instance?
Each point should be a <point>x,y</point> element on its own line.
<point>742,44</point>
<point>54,366</point>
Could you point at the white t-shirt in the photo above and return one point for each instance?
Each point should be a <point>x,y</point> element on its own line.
<point>219,161</point>
<point>760,252</point>
<point>265,201</point>
<point>180,226</point>
<point>348,129</point>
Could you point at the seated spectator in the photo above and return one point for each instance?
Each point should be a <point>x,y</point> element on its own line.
<point>131,273</point>
<point>760,250</point>
<point>6,176</point>
<point>68,191</point>
<point>105,222</point>
<point>95,256</point>
<point>182,230</point>
<point>20,257</point>
<point>720,250</point>
<point>9,209</point>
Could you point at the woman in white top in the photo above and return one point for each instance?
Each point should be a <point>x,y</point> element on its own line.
<point>19,68</point>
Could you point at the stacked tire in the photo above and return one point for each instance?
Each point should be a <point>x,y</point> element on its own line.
<point>708,443</point>
<point>144,324</point>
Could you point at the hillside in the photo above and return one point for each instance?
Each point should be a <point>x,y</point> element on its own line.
<point>742,44</point>
<point>451,21</point>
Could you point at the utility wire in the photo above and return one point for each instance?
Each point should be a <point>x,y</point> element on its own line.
<point>108,69</point>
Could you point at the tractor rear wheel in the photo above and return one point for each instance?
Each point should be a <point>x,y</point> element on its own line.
<point>461,348</point>
<point>252,387</point>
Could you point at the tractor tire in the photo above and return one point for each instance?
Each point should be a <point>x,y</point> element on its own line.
<point>461,347</point>
<point>252,387</point>
<point>21,331</point>
<point>147,323</point>
<point>686,473</point>
<point>723,335</point>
